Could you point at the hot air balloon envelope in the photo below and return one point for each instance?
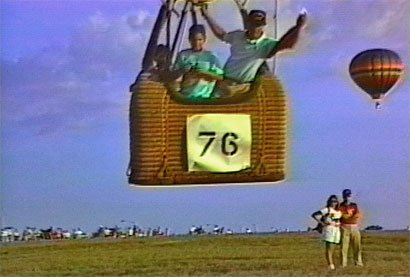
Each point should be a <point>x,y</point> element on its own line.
<point>376,71</point>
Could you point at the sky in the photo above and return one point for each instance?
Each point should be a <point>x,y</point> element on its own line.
<point>65,71</point>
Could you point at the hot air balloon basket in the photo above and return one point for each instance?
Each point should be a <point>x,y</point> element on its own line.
<point>158,134</point>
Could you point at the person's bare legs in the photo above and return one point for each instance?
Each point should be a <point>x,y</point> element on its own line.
<point>329,254</point>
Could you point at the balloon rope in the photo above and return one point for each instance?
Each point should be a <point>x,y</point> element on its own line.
<point>169,25</point>
<point>275,35</point>
<point>194,17</point>
<point>182,35</point>
<point>178,33</point>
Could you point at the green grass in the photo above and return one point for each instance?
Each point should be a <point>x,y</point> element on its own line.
<point>384,254</point>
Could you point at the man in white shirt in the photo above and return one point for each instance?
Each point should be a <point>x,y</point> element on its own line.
<point>251,47</point>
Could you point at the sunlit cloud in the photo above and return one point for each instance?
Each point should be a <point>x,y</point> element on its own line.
<point>60,86</point>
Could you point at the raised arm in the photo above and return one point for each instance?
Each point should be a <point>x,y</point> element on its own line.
<point>218,31</point>
<point>289,39</point>
<point>243,11</point>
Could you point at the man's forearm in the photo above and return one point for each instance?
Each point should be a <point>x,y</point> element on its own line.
<point>209,76</point>
<point>218,31</point>
<point>243,11</point>
<point>287,41</point>
<point>244,15</point>
<point>171,75</point>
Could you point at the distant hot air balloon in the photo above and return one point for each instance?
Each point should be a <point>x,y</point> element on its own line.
<point>376,71</point>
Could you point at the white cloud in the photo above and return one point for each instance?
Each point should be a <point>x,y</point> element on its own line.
<point>86,80</point>
<point>328,33</point>
<point>388,21</point>
<point>135,21</point>
<point>99,23</point>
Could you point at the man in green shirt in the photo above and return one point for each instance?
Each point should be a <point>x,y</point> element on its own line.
<point>250,48</point>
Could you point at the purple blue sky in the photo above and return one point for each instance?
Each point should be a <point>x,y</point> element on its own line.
<point>65,71</point>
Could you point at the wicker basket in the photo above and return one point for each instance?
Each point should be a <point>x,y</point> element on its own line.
<point>158,131</point>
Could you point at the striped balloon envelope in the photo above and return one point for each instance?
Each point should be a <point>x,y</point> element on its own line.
<point>376,71</point>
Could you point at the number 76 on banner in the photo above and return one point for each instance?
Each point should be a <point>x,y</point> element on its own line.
<point>219,142</point>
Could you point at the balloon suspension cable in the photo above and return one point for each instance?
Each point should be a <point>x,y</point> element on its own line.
<point>179,29</point>
<point>275,34</point>
<point>193,15</point>
<point>168,34</point>
<point>182,36</point>
<point>170,7</point>
<point>148,58</point>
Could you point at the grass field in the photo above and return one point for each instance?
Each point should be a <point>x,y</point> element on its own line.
<point>384,254</point>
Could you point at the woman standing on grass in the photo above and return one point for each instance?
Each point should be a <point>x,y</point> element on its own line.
<point>329,218</point>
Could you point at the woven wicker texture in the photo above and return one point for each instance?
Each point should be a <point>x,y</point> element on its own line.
<point>158,138</point>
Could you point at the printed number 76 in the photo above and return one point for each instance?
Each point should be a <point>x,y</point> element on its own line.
<point>228,139</point>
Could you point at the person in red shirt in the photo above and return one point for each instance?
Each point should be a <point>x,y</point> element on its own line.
<point>350,220</point>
